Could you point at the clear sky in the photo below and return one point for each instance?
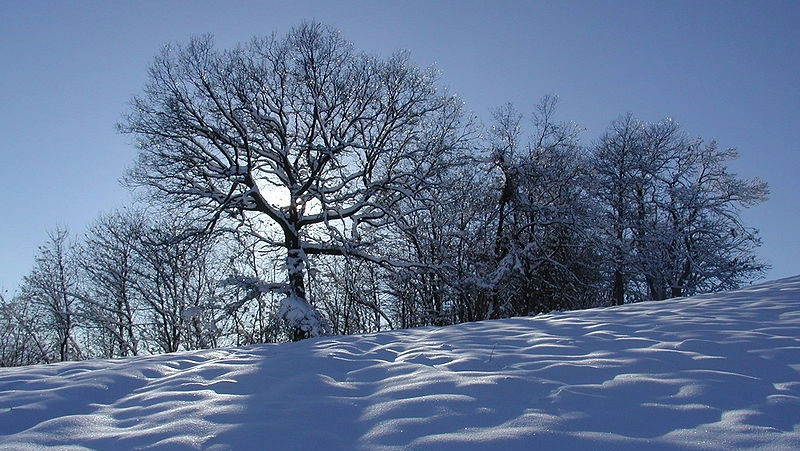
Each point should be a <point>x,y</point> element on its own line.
<point>724,70</point>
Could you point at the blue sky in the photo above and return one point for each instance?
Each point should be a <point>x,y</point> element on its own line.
<point>724,70</point>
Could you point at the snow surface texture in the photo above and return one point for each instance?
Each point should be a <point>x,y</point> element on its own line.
<point>714,372</point>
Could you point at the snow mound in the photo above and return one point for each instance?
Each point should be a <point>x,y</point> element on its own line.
<point>714,372</point>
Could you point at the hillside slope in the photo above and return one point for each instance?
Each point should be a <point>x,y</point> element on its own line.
<point>714,372</point>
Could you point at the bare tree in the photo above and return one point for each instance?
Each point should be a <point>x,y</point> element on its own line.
<point>50,288</point>
<point>22,334</point>
<point>542,232</point>
<point>616,157</point>
<point>672,212</point>
<point>109,266</point>
<point>316,140</point>
<point>177,285</point>
<point>704,244</point>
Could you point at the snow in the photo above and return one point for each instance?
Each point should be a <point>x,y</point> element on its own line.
<point>299,314</point>
<point>191,312</point>
<point>713,372</point>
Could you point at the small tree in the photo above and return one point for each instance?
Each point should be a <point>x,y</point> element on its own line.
<point>316,141</point>
<point>110,269</point>
<point>22,334</point>
<point>177,284</point>
<point>50,288</point>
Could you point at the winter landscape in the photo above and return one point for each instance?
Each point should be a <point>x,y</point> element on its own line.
<point>711,372</point>
<point>330,244</point>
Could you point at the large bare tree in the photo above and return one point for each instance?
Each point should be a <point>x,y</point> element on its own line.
<point>303,138</point>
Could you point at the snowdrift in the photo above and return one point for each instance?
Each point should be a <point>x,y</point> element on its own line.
<point>714,372</point>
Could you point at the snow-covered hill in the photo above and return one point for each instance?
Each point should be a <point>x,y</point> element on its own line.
<point>715,372</point>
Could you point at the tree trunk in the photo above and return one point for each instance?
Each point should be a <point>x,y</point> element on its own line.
<point>295,265</point>
<point>619,288</point>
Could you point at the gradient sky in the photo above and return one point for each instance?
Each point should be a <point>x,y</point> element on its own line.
<point>728,71</point>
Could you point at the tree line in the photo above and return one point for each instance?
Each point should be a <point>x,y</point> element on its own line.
<point>294,187</point>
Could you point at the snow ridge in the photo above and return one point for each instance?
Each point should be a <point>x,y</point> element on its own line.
<point>713,372</point>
